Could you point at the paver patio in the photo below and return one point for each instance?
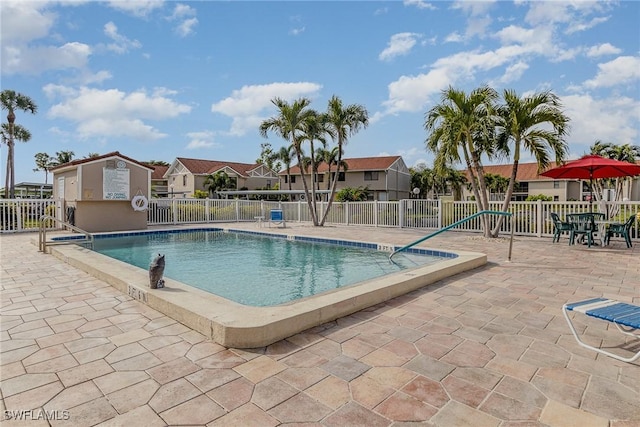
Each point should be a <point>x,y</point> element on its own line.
<point>485,348</point>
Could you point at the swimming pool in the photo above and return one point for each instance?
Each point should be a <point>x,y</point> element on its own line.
<point>258,269</point>
<point>236,325</point>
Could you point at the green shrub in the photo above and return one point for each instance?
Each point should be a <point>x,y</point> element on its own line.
<point>536,197</point>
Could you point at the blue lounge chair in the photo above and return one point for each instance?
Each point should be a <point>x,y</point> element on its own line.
<point>276,216</point>
<point>625,316</point>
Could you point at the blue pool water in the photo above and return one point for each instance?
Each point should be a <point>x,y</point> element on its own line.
<point>255,269</point>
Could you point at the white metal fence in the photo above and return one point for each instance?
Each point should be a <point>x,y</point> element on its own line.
<point>18,215</point>
<point>531,218</point>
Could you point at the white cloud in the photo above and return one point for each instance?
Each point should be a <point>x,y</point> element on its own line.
<point>247,105</point>
<point>139,8</point>
<point>602,49</point>
<point>28,21</point>
<point>121,43</point>
<point>297,31</point>
<point>612,119</point>
<point>514,72</point>
<point>186,17</point>
<point>622,70</point>
<point>576,26</point>
<point>420,4</point>
<point>113,113</point>
<point>204,139</point>
<point>399,44</point>
<point>186,27</point>
<point>36,60</point>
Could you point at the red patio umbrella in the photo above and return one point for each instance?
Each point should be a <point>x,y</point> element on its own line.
<point>593,167</point>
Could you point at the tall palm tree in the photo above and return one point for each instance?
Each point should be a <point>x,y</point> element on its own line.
<point>315,128</point>
<point>534,123</point>
<point>43,163</point>
<point>12,101</point>
<point>21,134</point>
<point>343,122</point>
<point>464,122</point>
<point>289,123</point>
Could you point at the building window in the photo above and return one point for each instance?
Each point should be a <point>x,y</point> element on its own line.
<point>556,184</point>
<point>293,179</point>
<point>371,176</point>
<point>320,178</point>
<point>556,198</point>
<point>269,184</point>
<point>341,176</point>
<point>184,180</point>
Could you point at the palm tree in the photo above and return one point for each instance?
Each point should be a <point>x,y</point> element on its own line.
<point>284,155</point>
<point>12,101</point>
<point>289,123</point>
<point>314,129</point>
<point>63,157</point>
<point>43,163</point>
<point>217,182</point>
<point>624,153</point>
<point>342,123</point>
<point>464,122</point>
<point>534,123</point>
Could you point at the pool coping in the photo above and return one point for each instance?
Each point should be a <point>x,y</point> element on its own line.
<point>235,325</point>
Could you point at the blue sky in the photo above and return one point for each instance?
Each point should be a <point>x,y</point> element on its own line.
<point>157,80</point>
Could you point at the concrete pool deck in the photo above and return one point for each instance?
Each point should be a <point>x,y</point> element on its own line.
<point>488,347</point>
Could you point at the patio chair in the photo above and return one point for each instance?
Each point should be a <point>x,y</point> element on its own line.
<point>276,216</point>
<point>559,227</point>
<point>625,316</point>
<point>617,229</point>
<point>582,225</point>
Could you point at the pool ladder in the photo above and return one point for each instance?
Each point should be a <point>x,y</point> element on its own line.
<point>42,233</point>
<point>455,224</point>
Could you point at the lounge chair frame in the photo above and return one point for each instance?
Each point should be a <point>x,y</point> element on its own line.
<point>625,316</point>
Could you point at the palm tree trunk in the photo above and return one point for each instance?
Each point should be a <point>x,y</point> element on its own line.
<point>314,216</point>
<point>334,184</point>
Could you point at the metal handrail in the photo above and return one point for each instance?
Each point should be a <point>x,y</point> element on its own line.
<point>455,224</point>
<point>42,232</point>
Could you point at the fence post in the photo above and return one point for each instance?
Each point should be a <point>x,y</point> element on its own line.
<point>207,210</point>
<point>18,212</point>
<point>375,213</point>
<point>346,212</point>
<point>174,211</point>
<point>401,210</point>
<point>237,210</point>
<point>439,208</point>
<point>540,218</point>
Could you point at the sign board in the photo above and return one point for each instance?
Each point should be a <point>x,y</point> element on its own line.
<point>115,184</point>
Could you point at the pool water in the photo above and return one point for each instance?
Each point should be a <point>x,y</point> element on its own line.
<point>256,270</point>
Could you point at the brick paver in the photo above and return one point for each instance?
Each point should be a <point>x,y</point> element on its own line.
<point>484,348</point>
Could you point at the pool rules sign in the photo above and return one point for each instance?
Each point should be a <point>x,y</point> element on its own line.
<point>116,182</point>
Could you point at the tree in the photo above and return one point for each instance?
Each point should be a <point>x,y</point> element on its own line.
<point>63,157</point>
<point>217,182</point>
<point>156,163</point>
<point>284,154</point>
<point>268,157</point>
<point>350,194</point>
<point>314,128</point>
<point>342,123</point>
<point>289,123</point>
<point>92,156</point>
<point>624,153</point>
<point>464,123</point>
<point>534,123</point>
<point>43,163</point>
<point>12,101</point>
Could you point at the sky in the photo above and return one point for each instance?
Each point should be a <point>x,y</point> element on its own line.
<point>156,80</point>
